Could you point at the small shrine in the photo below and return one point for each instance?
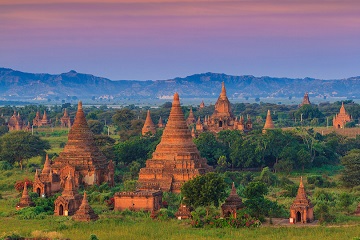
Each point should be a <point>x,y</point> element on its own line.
<point>302,210</point>
<point>69,201</point>
<point>341,118</point>
<point>65,120</point>
<point>149,126</point>
<point>25,200</point>
<point>183,212</point>
<point>232,204</point>
<point>85,213</point>
<point>269,124</point>
<point>147,200</point>
<point>306,100</point>
<point>191,118</point>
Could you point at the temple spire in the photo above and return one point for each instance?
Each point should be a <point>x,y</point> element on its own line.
<point>223,91</point>
<point>269,124</point>
<point>149,126</point>
<point>47,165</point>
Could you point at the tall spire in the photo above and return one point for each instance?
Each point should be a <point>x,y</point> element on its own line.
<point>149,126</point>
<point>342,109</point>
<point>223,91</point>
<point>47,165</point>
<point>44,116</point>
<point>69,188</point>
<point>233,189</point>
<point>65,113</point>
<point>269,124</point>
<point>160,124</point>
<point>191,119</point>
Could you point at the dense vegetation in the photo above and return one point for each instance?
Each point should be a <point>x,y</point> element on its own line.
<point>264,167</point>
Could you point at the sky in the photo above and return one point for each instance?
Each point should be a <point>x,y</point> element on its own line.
<point>163,39</point>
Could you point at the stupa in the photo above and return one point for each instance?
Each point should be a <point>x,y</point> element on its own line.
<point>85,213</point>
<point>149,126</point>
<point>65,120</point>
<point>306,100</point>
<point>191,118</point>
<point>301,211</point>
<point>81,157</point>
<point>176,158</point>
<point>15,122</point>
<point>232,203</point>
<point>269,124</point>
<point>25,200</point>
<point>160,124</point>
<point>342,118</point>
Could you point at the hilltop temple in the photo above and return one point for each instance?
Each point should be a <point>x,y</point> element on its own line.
<point>176,158</point>
<point>302,210</point>
<point>306,100</point>
<point>81,158</point>
<point>342,118</point>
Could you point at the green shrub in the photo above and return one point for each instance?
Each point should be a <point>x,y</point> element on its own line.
<point>4,165</point>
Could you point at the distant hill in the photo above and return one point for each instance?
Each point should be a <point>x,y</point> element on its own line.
<point>30,86</point>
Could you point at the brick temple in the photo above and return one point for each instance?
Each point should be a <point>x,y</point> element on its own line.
<point>341,118</point>
<point>306,100</point>
<point>65,120</point>
<point>149,126</point>
<point>176,158</point>
<point>302,210</point>
<point>269,124</point>
<point>16,123</point>
<point>80,157</point>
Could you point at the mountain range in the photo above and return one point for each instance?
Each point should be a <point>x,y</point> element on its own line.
<point>16,85</point>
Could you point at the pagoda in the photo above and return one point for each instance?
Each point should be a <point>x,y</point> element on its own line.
<point>15,122</point>
<point>176,158</point>
<point>202,104</point>
<point>44,121</point>
<point>342,118</point>
<point>160,124</point>
<point>232,203</point>
<point>306,100</point>
<point>37,119</point>
<point>25,200</point>
<point>69,201</point>
<point>191,118</point>
<point>269,124</point>
<point>81,157</point>
<point>149,126</point>
<point>301,210</point>
<point>65,120</point>
<point>85,213</point>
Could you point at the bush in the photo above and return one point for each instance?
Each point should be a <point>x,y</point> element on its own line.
<point>319,181</point>
<point>4,165</point>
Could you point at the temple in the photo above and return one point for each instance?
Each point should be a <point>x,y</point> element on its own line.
<point>65,120</point>
<point>183,212</point>
<point>85,213</point>
<point>69,201</point>
<point>301,211</point>
<point>232,204</point>
<point>191,118</point>
<point>342,118</point>
<point>222,118</point>
<point>39,121</point>
<point>269,124</point>
<point>176,158</point>
<point>161,124</point>
<point>25,200</point>
<point>15,123</point>
<point>80,157</point>
<point>146,200</point>
<point>306,100</point>
<point>149,126</point>
<point>202,104</point>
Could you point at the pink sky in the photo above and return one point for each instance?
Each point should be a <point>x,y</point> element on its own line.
<point>164,39</point>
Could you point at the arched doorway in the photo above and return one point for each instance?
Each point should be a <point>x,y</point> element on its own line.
<point>38,191</point>
<point>61,210</point>
<point>298,217</point>
<point>220,123</point>
<point>339,126</point>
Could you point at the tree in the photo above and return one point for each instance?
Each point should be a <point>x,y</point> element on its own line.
<point>204,190</point>
<point>96,126</point>
<point>351,173</point>
<point>209,147</point>
<point>18,146</point>
<point>122,118</point>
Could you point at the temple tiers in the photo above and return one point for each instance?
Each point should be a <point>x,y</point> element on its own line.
<point>25,200</point>
<point>80,157</point>
<point>69,201</point>
<point>176,158</point>
<point>85,213</point>
<point>232,203</point>
<point>342,118</point>
<point>269,124</point>
<point>306,100</point>
<point>149,126</point>
<point>301,210</point>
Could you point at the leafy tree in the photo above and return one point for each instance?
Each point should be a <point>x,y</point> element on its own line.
<point>122,118</point>
<point>204,190</point>
<point>255,189</point>
<point>106,145</point>
<point>18,146</point>
<point>351,173</point>
<point>209,147</point>
<point>96,126</point>
<point>3,130</point>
